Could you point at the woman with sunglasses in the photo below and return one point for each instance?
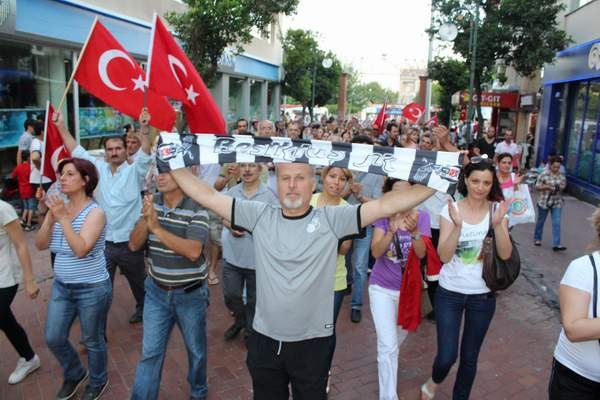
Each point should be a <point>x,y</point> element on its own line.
<point>334,184</point>
<point>462,293</point>
<point>392,240</point>
<point>74,231</point>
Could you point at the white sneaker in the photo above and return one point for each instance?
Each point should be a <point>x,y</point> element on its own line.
<point>23,369</point>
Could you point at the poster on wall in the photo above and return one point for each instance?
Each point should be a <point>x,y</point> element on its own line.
<point>101,121</point>
<point>11,124</point>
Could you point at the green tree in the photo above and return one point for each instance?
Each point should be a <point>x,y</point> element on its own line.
<point>361,95</point>
<point>302,62</point>
<point>209,26</point>
<point>451,76</point>
<point>522,32</point>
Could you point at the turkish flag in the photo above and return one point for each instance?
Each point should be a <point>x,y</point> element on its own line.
<point>379,123</point>
<point>109,72</point>
<point>413,111</point>
<point>54,149</point>
<point>171,73</point>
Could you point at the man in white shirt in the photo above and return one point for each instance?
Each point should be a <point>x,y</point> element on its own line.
<point>25,139</point>
<point>508,146</point>
<point>36,150</point>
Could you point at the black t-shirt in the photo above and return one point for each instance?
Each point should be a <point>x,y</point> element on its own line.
<point>486,148</point>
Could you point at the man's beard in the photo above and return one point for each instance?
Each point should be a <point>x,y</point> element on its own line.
<point>292,204</point>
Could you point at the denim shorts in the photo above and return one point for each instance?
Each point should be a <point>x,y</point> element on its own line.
<point>29,204</point>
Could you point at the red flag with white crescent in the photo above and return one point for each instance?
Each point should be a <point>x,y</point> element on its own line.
<point>413,111</point>
<point>379,123</point>
<point>109,72</point>
<point>171,73</point>
<point>54,149</point>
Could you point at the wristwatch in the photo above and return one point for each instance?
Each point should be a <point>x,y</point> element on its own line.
<point>416,236</point>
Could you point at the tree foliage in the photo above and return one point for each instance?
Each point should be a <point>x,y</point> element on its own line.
<point>521,32</point>
<point>361,95</point>
<point>452,76</point>
<point>301,57</point>
<point>209,26</point>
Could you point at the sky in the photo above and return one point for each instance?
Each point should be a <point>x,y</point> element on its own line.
<point>377,37</point>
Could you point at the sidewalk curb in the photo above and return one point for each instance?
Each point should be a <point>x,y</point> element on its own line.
<point>536,279</point>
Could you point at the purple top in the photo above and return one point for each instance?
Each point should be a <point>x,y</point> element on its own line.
<point>387,270</point>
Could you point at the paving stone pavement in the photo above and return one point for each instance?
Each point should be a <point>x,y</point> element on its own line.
<point>514,362</point>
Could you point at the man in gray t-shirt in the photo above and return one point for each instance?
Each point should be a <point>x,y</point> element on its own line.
<point>295,247</point>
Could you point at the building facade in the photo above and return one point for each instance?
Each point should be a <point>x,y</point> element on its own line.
<point>570,112</point>
<point>39,45</point>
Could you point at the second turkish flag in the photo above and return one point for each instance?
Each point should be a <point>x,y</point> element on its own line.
<point>171,73</point>
<point>109,72</point>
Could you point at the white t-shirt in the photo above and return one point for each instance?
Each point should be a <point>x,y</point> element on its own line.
<point>511,148</point>
<point>462,273</point>
<point>34,176</point>
<point>582,358</point>
<point>10,267</point>
<point>433,206</point>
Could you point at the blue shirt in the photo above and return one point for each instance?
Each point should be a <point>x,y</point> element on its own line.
<point>119,194</point>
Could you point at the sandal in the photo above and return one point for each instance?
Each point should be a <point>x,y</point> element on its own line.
<point>426,393</point>
<point>213,281</point>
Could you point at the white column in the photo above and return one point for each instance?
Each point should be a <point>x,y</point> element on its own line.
<point>264,93</point>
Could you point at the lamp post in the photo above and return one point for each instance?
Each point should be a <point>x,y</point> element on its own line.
<point>326,63</point>
<point>448,32</point>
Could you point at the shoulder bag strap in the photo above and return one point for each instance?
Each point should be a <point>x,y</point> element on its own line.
<point>595,290</point>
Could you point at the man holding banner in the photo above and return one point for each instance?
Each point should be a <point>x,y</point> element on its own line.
<point>294,308</point>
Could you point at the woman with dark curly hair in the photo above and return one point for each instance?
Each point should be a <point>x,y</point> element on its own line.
<point>462,292</point>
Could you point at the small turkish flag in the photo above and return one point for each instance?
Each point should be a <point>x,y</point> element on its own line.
<point>107,71</point>
<point>54,149</point>
<point>171,73</point>
<point>379,123</point>
<point>413,111</point>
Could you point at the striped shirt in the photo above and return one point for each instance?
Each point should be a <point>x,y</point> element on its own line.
<point>189,220</point>
<point>68,268</point>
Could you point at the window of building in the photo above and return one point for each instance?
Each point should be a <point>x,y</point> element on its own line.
<point>580,94</point>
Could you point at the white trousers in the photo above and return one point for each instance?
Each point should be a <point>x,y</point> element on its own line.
<point>384,309</point>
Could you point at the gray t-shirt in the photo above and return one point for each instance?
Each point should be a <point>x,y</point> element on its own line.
<point>239,251</point>
<point>371,186</point>
<point>295,266</point>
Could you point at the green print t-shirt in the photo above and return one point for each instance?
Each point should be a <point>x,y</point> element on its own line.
<point>462,273</point>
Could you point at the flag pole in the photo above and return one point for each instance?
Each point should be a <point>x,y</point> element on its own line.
<point>70,82</point>
<point>149,59</point>
<point>44,142</point>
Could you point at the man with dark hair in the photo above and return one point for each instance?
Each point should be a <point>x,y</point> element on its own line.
<point>36,150</point>
<point>174,228</point>
<point>241,127</point>
<point>391,136</point>
<point>25,139</point>
<point>118,194</point>
<point>487,143</point>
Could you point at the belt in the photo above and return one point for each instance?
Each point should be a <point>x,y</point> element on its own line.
<point>187,287</point>
<point>116,243</point>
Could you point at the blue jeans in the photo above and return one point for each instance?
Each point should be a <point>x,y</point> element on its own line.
<point>162,309</point>
<point>338,298</point>
<point>478,310</point>
<point>90,302</point>
<point>539,225</point>
<point>360,254</point>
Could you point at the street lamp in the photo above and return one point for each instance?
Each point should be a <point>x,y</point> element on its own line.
<point>326,63</point>
<point>448,32</point>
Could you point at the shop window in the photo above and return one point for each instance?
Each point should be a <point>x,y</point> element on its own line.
<point>235,101</point>
<point>593,117</point>
<point>576,127</point>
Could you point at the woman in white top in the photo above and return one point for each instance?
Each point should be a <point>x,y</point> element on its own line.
<point>576,365</point>
<point>15,267</point>
<point>462,293</point>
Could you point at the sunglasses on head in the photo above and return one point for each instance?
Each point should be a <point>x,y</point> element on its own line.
<point>480,159</point>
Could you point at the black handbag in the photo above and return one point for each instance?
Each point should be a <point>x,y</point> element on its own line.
<point>497,273</point>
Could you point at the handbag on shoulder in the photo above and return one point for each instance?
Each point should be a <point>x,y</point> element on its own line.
<point>497,273</point>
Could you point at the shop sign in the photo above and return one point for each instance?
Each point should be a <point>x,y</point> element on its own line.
<point>529,101</point>
<point>579,62</point>
<point>492,99</point>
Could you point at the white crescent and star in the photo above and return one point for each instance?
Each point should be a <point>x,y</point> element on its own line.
<point>175,63</point>
<point>103,62</point>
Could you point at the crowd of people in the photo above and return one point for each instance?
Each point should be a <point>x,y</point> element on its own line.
<point>169,233</point>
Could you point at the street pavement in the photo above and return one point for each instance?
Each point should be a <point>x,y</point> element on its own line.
<point>514,363</point>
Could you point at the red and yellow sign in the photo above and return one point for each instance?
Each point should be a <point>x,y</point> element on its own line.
<point>492,99</point>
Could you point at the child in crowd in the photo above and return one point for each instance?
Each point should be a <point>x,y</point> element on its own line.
<point>26,190</point>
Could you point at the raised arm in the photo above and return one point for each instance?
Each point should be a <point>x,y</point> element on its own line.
<point>203,193</point>
<point>393,202</point>
<point>144,120</point>
<point>65,135</point>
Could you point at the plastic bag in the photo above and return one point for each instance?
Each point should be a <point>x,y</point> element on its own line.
<point>522,210</point>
